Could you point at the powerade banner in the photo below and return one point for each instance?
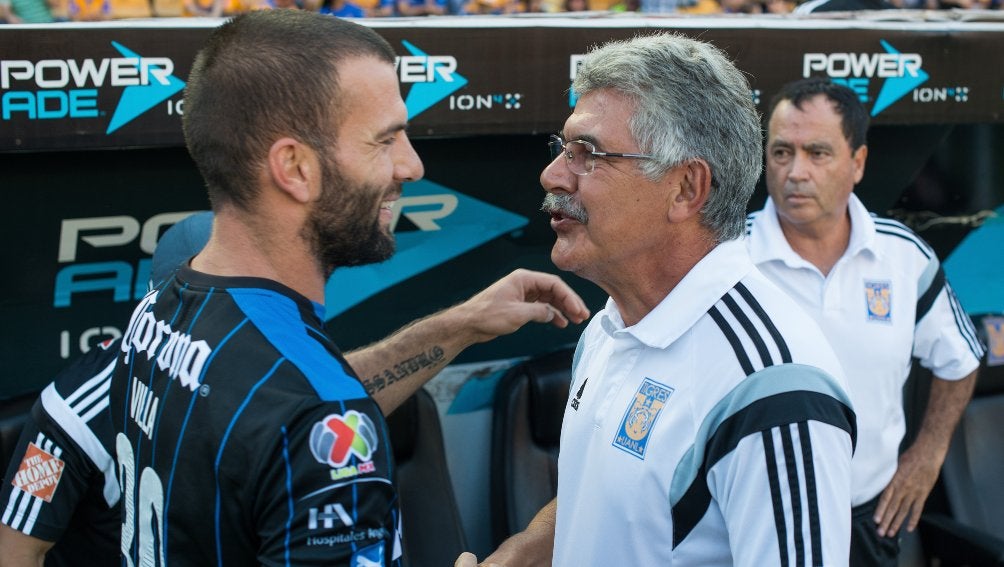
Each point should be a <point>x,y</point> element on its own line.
<point>120,85</point>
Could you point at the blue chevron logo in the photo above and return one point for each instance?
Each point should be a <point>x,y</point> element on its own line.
<point>138,99</point>
<point>895,88</point>
<point>440,84</point>
<point>446,224</point>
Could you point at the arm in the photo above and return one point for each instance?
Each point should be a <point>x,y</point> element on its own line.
<point>394,368</point>
<point>920,464</point>
<point>532,547</point>
<point>19,550</point>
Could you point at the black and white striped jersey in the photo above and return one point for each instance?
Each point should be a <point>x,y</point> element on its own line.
<point>716,431</point>
<point>884,302</point>
<point>242,435</point>
<point>61,486</point>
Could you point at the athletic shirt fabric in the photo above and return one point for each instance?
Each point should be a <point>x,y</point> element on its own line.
<point>714,432</point>
<point>61,485</point>
<point>885,302</point>
<point>243,435</point>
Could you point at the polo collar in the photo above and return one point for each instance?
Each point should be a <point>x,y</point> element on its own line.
<point>700,289</point>
<point>769,243</point>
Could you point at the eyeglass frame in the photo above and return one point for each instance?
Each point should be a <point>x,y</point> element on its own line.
<point>556,141</point>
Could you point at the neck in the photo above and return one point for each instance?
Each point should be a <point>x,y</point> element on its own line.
<point>265,246</point>
<point>639,285</point>
<point>820,245</point>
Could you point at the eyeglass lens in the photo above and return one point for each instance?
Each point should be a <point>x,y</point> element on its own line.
<point>578,155</point>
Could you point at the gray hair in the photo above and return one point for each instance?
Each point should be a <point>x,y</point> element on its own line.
<point>691,102</point>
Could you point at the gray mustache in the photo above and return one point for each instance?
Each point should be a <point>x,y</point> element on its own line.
<point>565,206</point>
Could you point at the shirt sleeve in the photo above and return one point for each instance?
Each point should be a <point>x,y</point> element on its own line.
<point>945,340</point>
<point>784,493</point>
<point>330,497</point>
<point>48,477</point>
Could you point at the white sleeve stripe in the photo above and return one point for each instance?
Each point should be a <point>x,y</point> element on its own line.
<point>12,503</point>
<point>964,323</point>
<point>775,496</point>
<point>29,523</point>
<point>85,438</point>
<point>93,383</point>
<point>792,485</point>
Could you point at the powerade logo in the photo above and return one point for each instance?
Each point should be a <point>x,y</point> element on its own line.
<point>68,88</point>
<point>433,78</point>
<point>432,224</point>
<point>900,72</point>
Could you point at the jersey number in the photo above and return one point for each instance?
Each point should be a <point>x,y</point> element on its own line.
<point>151,508</point>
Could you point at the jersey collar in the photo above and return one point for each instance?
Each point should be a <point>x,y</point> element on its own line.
<point>767,242</point>
<point>701,288</point>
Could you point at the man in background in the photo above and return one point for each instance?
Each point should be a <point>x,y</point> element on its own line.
<point>878,292</point>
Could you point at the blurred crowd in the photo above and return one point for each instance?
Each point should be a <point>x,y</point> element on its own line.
<point>43,11</point>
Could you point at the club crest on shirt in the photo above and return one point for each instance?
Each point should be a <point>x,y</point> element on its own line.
<point>878,296</point>
<point>39,473</point>
<point>639,419</point>
<point>336,439</point>
<point>994,326</point>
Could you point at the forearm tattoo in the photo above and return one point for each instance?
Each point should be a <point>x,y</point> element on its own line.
<point>430,359</point>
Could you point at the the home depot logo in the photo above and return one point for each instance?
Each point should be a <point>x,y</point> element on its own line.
<point>39,473</point>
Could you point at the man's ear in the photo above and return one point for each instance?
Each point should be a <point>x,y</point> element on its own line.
<point>859,157</point>
<point>294,169</point>
<point>694,178</point>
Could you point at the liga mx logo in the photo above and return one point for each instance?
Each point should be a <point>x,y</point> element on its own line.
<point>640,418</point>
<point>334,439</point>
<point>878,297</point>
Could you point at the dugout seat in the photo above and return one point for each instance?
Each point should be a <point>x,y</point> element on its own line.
<point>968,527</point>
<point>526,428</point>
<point>970,531</point>
<point>433,533</point>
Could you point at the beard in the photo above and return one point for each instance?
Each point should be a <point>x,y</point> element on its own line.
<point>343,228</point>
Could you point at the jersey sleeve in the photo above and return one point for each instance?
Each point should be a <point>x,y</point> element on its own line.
<point>785,495</point>
<point>945,340</point>
<point>48,477</point>
<point>327,494</point>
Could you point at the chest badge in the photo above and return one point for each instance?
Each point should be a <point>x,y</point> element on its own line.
<point>878,297</point>
<point>639,419</point>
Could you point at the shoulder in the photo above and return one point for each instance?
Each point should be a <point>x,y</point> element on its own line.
<point>894,236</point>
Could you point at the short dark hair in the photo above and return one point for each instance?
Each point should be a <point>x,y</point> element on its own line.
<point>853,116</point>
<point>260,76</point>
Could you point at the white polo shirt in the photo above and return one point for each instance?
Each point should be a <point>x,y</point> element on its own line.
<point>885,300</point>
<point>706,434</point>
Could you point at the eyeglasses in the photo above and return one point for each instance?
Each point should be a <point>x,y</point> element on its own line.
<point>580,155</point>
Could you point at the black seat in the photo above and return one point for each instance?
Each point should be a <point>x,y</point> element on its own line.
<point>969,530</point>
<point>526,428</point>
<point>433,533</point>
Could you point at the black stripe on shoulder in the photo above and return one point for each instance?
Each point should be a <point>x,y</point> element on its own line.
<point>733,338</point>
<point>751,331</point>
<point>761,415</point>
<point>899,230</point>
<point>765,319</point>
<point>925,301</point>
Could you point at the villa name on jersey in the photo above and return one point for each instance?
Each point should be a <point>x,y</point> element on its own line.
<point>177,354</point>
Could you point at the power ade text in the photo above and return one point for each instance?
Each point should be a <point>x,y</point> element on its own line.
<point>883,65</point>
<point>425,68</point>
<point>49,93</point>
